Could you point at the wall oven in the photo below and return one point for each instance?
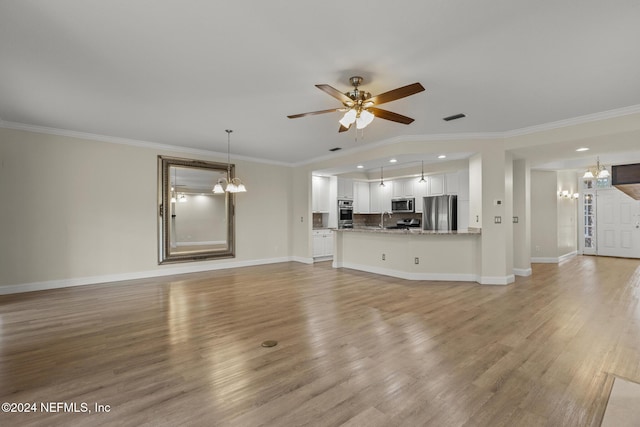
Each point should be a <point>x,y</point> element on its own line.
<point>345,213</point>
<point>403,205</point>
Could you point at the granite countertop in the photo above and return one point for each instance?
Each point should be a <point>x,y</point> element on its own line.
<point>413,231</point>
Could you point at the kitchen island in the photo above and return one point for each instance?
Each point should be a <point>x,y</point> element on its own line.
<point>412,254</point>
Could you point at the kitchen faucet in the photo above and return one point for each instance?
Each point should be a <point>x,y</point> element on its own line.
<point>382,218</point>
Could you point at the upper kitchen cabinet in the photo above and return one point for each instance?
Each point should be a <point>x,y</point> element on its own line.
<point>436,185</point>
<point>452,183</point>
<point>320,194</point>
<point>403,187</point>
<point>345,188</point>
<point>380,197</point>
<point>361,199</point>
<point>420,191</point>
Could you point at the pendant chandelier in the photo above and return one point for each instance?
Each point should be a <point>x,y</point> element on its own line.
<point>233,185</point>
<point>599,171</point>
<point>422,180</point>
<point>381,178</point>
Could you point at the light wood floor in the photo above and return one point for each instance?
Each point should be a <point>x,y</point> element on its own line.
<point>354,348</point>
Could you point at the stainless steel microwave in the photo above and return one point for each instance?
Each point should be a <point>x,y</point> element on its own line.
<point>403,205</point>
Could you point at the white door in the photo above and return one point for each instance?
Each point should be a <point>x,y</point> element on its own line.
<point>618,224</point>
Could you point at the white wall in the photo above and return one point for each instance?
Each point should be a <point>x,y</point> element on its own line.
<point>522,210</point>
<point>554,232</point>
<point>88,209</point>
<point>567,214</point>
<point>544,214</point>
<point>475,191</point>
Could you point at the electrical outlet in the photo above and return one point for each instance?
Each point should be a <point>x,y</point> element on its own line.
<point>515,219</point>
<point>301,219</point>
<point>416,260</point>
<point>384,257</point>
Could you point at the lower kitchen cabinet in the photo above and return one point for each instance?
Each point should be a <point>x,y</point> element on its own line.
<point>322,243</point>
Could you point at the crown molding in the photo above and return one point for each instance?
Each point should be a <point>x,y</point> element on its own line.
<point>603,115</point>
<point>609,114</point>
<point>131,142</point>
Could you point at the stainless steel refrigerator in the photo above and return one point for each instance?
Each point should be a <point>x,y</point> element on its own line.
<point>440,212</point>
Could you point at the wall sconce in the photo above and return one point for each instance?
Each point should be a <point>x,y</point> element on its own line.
<point>566,194</point>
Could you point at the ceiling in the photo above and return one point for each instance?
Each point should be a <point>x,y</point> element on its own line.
<point>180,73</point>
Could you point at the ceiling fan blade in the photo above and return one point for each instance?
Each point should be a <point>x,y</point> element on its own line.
<point>312,113</point>
<point>388,115</point>
<point>398,93</point>
<point>335,93</point>
<point>343,129</point>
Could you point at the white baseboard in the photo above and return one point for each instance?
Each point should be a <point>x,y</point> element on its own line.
<point>497,280</point>
<point>568,256</point>
<point>554,260</point>
<point>544,260</point>
<point>522,271</point>
<point>449,277</point>
<point>163,270</point>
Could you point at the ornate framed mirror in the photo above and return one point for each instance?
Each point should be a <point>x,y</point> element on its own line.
<point>194,224</point>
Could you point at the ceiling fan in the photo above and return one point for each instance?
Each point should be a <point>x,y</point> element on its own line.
<point>361,108</point>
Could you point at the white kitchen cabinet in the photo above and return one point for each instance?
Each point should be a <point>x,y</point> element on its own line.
<point>380,197</point>
<point>397,188</point>
<point>322,243</point>
<point>361,197</point>
<point>404,187</point>
<point>436,185</point>
<point>420,191</point>
<point>452,183</point>
<point>374,197</point>
<point>320,194</point>
<point>345,188</point>
<point>385,197</point>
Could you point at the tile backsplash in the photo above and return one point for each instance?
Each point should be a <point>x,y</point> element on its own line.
<point>373,220</point>
<point>320,220</point>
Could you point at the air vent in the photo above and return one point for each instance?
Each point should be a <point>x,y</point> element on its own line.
<point>336,149</point>
<point>454,117</point>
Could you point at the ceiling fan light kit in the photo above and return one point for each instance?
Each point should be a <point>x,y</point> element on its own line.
<point>361,107</point>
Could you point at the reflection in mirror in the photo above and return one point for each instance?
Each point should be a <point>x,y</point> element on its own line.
<point>194,223</point>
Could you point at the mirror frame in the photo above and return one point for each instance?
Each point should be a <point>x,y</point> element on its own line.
<point>164,196</point>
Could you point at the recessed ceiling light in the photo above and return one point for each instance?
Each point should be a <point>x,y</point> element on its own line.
<point>392,161</point>
<point>582,149</point>
<point>442,156</point>
<point>359,166</point>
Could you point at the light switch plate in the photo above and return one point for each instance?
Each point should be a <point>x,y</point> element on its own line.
<point>497,220</point>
